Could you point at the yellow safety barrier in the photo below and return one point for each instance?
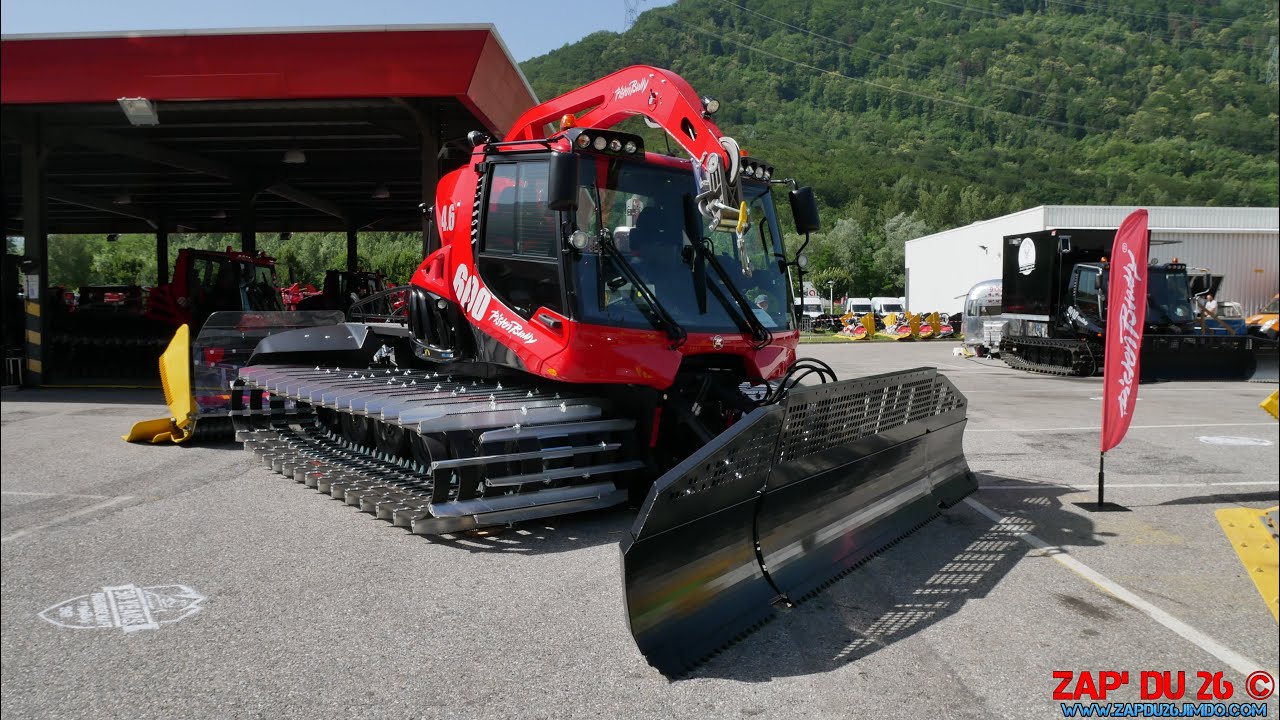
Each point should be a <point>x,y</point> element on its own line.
<point>175,376</point>
<point>1272,404</point>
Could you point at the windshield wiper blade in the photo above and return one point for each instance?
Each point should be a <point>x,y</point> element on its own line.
<point>759,333</point>
<point>663,319</point>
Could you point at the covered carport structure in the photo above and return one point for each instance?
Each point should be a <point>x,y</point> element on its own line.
<point>238,131</point>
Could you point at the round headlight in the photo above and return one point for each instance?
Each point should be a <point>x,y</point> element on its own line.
<point>600,143</point>
<point>630,147</point>
<point>759,172</point>
<point>583,141</point>
<point>442,304</point>
<point>802,260</point>
<point>579,239</point>
<point>768,173</point>
<point>615,145</point>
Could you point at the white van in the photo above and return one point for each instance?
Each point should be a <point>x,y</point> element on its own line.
<point>811,307</point>
<point>858,306</point>
<point>886,305</point>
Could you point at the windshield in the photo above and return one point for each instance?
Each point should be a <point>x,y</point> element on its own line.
<point>260,288</point>
<point>892,307</point>
<point>1273,306</point>
<point>1168,297</point>
<point>860,308</point>
<point>223,283</point>
<point>642,207</point>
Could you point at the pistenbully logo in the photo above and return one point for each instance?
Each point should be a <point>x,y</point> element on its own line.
<point>127,607</point>
<point>630,88</point>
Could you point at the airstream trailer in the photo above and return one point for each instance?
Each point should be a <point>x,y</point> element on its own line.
<point>982,320</point>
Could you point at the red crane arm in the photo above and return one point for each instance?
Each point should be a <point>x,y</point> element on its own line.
<point>667,99</point>
<point>661,95</point>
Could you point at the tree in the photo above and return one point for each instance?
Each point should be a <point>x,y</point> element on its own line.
<point>841,279</point>
<point>71,260</point>
<point>890,258</point>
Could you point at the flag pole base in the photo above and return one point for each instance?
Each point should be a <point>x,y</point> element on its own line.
<point>1101,507</point>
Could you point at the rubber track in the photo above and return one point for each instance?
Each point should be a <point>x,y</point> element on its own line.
<point>1086,357</point>
<point>279,428</point>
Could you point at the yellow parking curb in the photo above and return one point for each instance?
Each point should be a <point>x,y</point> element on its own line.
<point>1252,533</point>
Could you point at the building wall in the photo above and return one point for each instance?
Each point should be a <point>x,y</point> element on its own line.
<point>1242,244</point>
<point>942,267</point>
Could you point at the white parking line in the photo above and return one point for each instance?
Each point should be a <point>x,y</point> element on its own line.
<point>64,517</point>
<point>1091,486</point>
<point>42,494</point>
<point>1131,427</point>
<point>1014,525</point>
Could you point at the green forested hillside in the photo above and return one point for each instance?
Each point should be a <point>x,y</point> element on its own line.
<point>917,116</point>
<point>937,113</point>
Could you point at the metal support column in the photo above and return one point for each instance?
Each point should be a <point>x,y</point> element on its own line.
<point>353,257</point>
<point>162,255</point>
<point>429,132</point>
<point>35,261</point>
<point>248,223</point>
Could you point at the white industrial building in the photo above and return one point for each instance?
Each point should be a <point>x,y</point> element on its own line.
<point>1242,244</point>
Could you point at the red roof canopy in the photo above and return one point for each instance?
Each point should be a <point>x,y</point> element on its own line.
<point>466,62</point>
<point>357,106</point>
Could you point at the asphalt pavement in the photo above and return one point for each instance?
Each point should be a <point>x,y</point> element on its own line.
<point>277,602</point>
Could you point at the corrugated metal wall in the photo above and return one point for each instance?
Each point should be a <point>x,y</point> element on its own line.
<point>1110,216</point>
<point>1248,262</point>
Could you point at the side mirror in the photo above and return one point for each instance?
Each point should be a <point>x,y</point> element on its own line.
<point>1064,244</point>
<point>804,208</point>
<point>562,185</point>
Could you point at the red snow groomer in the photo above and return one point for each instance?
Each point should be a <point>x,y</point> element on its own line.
<point>604,324</point>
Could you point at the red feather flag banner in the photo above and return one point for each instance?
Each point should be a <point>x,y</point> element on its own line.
<point>1126,316</point>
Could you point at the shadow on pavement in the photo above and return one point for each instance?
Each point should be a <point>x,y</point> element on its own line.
<point>103,396</point>
<point>922,580</point>
<point>1238,498</point>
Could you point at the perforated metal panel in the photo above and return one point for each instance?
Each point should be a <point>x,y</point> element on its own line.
<point>827,416</point>
<point>746,461</point>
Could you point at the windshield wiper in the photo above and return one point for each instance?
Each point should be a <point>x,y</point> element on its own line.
<point>759,333</point>
<point>661,318</point>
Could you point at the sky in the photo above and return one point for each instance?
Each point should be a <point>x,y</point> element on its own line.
<point>528,28</point>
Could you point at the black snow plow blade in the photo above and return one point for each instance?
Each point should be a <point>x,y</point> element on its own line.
<point>784,502</point>
<point>1209,357</point>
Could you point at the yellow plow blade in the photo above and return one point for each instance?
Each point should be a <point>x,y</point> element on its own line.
<point>175,376</point>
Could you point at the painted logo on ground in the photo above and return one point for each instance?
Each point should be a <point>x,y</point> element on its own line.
<point>127,607</point>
